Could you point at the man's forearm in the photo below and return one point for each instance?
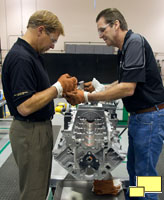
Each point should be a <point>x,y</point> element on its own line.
<point>37,101</point>
<point>117,91</point>
<point>111,85</point>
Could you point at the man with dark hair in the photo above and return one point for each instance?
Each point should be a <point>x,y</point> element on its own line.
<point>139,86</point>
<point>29,97</point>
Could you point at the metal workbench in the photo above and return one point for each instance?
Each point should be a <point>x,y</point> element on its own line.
<point>71,189</point>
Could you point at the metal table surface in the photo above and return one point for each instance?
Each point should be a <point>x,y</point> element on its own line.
<point>71,189</point>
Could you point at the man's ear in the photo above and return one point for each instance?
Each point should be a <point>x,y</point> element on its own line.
<point>117,24</point>
<point>40,30</point>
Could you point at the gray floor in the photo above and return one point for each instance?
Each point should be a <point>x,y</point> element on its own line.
<point>9,186</point>
<point>9,189</point>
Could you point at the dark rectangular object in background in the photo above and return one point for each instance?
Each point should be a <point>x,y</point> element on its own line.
<point>88,49</point>
<point>82,66</point>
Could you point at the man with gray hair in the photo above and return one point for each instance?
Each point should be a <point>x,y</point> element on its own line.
<point>29,97</point>
<point>139,86</point>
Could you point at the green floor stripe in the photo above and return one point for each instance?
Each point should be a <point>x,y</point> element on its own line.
<point>50,197</point>
<point>4,128</point>
<point>4,147</point>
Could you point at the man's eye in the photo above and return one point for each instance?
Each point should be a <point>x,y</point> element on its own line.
<point>102,29</point>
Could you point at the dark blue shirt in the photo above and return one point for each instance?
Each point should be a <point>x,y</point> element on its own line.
<point>23,74</point>
<point>137,64</point>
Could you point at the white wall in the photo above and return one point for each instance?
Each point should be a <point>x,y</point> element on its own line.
<point>78,17</point>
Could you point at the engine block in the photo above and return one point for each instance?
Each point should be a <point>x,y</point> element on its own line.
<point>90,147</point>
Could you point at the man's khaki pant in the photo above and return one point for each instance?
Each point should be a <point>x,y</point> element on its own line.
<point>32,144</point>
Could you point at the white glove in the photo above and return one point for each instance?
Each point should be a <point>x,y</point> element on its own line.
<point>97,85</point>
<point>86,96</point>
<point>59,89</point>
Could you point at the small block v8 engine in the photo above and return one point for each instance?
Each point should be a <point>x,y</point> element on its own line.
<point>90,147</point>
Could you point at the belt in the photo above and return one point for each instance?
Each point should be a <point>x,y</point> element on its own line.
<point>32,120</point>
<point>155,108</point>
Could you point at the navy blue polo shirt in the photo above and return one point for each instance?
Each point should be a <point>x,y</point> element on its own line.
<point>23,74</point>
<point>137,64</point>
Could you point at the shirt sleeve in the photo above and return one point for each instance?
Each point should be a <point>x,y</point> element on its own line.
<point>133,65</point>
<point>23,81</point>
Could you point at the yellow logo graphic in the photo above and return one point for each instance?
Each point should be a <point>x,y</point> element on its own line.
<point>146,184</point>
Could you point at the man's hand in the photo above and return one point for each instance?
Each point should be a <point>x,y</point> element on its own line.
<point>88,86</point>
<point>94,86</point>
<point>75,97</point>
<point>68,83</point>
